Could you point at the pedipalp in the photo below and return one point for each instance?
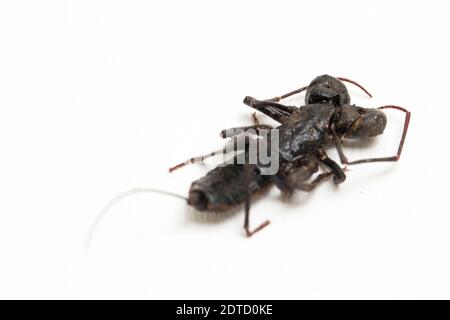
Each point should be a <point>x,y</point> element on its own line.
<point>343,157</point>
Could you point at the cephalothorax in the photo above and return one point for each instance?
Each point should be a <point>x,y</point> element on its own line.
<point>327,117</point>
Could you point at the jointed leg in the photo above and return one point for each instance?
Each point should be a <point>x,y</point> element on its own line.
<point>298,178</point>
<point>288,187</point>
<point>249,232</point>
<point>344,160</point>
<point>232,146</point>
<point>308,187</point>
<point>339,175</point>
<point>199,159</point>
<point>232,132</point>
<point>226,133</point>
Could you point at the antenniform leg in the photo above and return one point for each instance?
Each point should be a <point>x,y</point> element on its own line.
<point>233,145</point>
<point>356,84</point>
<point>199,159</point>
<point>286,95</point>
<point>258,129</point>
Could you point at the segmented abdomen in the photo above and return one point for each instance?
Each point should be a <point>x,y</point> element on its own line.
<point>225,186</point>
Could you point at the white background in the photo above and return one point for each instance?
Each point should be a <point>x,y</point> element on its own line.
<point>97,97</point>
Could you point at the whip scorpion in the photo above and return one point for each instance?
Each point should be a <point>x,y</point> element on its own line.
<point>326,118</point>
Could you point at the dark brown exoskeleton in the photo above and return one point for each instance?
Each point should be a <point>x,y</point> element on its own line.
<point>327,117</point>
<point>349,121</point>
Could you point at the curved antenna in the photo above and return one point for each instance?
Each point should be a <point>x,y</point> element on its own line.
<point>114,201</point>
<point>356,84</point>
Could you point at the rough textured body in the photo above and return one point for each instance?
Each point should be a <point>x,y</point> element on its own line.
<point>223,187</point>
<point>327,88</point>
<point>327,116</point>
<point>301,136</point>
<point>305,131</point>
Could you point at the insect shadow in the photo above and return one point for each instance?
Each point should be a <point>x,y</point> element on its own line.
<point>327,118</point>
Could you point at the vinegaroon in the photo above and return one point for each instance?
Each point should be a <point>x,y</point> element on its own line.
<point>327,117</point>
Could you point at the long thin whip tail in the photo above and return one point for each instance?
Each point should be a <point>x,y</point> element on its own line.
<point>115,200</point>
